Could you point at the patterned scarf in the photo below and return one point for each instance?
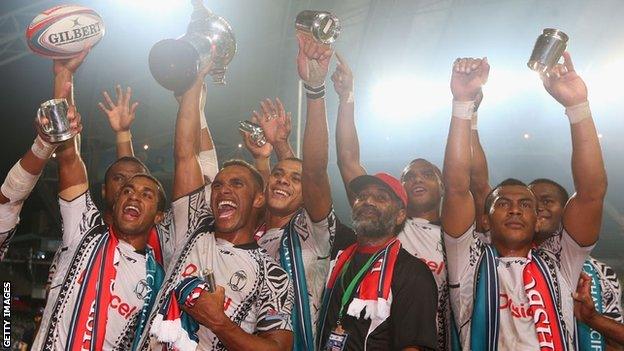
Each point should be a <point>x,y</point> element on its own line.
<point>292,261</point>
<point>589,339</point>
<point>173,327</point>
<point>374,295</point>
<point>90,315</point>
<point>541,288</point>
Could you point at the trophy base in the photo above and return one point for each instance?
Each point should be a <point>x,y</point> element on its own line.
<point>57,138</point>
<point>174,64</point>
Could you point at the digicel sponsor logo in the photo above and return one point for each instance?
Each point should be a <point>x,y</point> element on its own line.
<point>123,308</point>
<point>436,267</point>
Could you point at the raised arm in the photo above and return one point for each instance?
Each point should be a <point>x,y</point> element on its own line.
<point>276,124</point>
<point>188,173</point>
<point>458,211</point>
<point>120,116</point>
<point>312,64</point>
<point>583,214</point>
<point>207,153</point>
<point>72,171</point>
<point>479,175</point>
<point>585,312</point>
<point>261,154</point>
<point>347,143</point>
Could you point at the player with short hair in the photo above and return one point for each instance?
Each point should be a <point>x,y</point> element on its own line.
<point>110,275</point>
<point>493,283</point>
<point>251,304</point>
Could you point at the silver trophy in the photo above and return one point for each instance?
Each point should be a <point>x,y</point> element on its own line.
<point>548,50</point>
<point>208,276</point>
<point>209,40</point>
<point>57,127</point>
<point>255,131</point>
<point>323,26</point>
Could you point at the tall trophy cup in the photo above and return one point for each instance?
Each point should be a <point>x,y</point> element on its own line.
<point>323,26</point>
<point>209,40</point>
<point>548,49</point>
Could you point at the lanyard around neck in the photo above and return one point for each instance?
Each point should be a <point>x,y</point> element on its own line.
<point>346,296</point>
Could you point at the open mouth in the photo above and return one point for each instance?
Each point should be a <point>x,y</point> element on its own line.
<point>226,208</point>
<point>131,212</point>
<point>418,190</point>
<point>280,194</point>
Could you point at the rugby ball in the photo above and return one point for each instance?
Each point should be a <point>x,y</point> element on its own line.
<point>64,31</point>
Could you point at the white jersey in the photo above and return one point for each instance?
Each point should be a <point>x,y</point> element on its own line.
<point>258,293</point>
<point>424,241</point>
<point>82,227</point>
<point>517,329</point>
<point>9,218</point>
<point>611,290</point>
<point>316,242</point>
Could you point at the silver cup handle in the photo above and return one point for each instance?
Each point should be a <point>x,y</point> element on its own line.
<point>46,128</point>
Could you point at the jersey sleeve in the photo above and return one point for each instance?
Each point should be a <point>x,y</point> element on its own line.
<point>569,255</point>
<point>462,254</point>
<point>9,217</point>
<point>189,213</point>
<point>276,300</point>
<point>414,314</point>
<point>318,237</point>
<point>611,291</point>
<point>78,215</point>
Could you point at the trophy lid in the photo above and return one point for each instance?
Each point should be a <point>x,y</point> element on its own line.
<point>174,64</point>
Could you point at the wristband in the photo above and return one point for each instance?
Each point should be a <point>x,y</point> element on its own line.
<point>42,149</point>
<point>463,109</point>
<point>314,92</point>
<point>124,137</point>
<point>579,112</point>
<point>473,120</point>
<point>209,163</point>
<point>18,183</point>
<point>202,121</point>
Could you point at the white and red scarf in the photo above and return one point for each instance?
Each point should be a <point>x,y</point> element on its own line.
<point>541,287</point>
<point>374,295</point>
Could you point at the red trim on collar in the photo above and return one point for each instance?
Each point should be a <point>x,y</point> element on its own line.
<point>373,249</point>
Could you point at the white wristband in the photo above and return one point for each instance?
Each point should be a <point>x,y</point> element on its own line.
<point>18,183</point>
<point>209,163</point>
<point>578,112</point>
<point>202,121</point>
<point>473,121</point>
<point>42,149</point>
<point>463,109</point>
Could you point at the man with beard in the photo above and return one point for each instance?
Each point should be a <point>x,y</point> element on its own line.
<point>250,306</point>
<point>422,181</point>
<point>378,296</point>
<point>508,294</point>
<point>605,285</point>
<point>108,275</point>
<point>299,222</point>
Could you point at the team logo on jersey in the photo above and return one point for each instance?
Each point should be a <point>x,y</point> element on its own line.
<point>238,280</point>
<point>142,289</point>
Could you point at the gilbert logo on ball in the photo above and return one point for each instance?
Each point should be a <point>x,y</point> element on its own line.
<point>64,31</point>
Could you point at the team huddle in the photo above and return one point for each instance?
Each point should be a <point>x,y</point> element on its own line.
<point>253,257</point>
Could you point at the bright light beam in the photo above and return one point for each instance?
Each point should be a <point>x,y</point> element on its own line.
<point>409,96</point>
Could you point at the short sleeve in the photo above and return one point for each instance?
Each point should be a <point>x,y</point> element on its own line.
<point>462,254</point>
<point>320,236</point>
<point>78,215</point>
<point>611,291</point>
<point>414,315</point>
<point>189,212</point>
<point>569,255</point>
<point>276,300</point>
